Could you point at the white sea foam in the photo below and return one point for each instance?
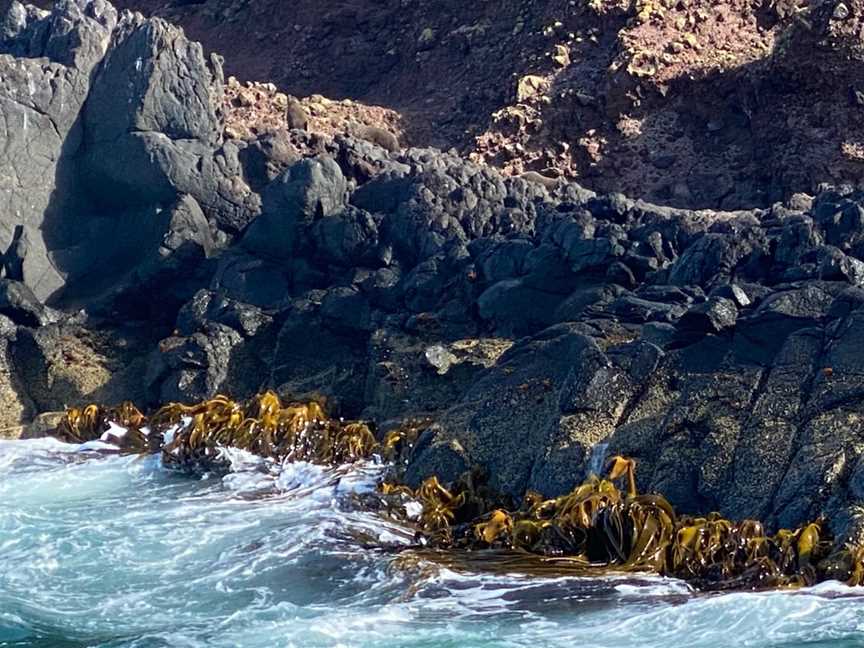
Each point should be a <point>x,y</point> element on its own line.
<point>117,552</point>
<point>97,446</point>
<point>114,432</point>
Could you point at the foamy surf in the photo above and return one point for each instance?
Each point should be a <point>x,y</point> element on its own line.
<point>99,549</point>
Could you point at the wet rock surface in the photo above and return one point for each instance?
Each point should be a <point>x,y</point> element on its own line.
<point>532,325</point>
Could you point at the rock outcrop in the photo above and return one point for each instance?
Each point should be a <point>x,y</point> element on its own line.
<point>534,326</point>
<point>47,62</point>
<point>699,104</point>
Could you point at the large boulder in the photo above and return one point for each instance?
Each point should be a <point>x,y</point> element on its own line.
<point>157,256</point>
<point>47,61</point>
<point>509,417</point>
<point>193,368</point>
<point>154,127</point>
<point>411,376</point>
<point>305,192</point>
<point>335,366</point>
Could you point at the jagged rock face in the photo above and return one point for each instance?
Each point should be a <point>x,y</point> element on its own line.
<point>154,130</point>
<point>46,64</point>
<point>149,103</point>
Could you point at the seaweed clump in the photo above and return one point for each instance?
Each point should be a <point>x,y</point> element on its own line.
<point>598,528</point>
<point>129,432</point>
<point>295,431</point>
<point>192,438</point>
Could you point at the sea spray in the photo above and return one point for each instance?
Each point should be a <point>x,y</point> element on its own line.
<point>118,552</point>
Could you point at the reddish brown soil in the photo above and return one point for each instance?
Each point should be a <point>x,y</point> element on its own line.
<point>253,109</point>
<point>694,103</point>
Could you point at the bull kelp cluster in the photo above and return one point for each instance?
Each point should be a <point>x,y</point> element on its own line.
<point>94,423</point>
<point>596,528</point>
<point>192,437</point>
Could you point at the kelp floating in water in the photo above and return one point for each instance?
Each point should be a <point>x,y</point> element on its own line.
<point>93,423</point>
<point>262,426</point>
<point>596,528</point>
<point>192,437</point>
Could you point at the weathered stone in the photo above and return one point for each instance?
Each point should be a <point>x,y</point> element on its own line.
<point>348,238</point>
<point>194,368</point>
<point>42,93</point>
<point>508,414</point>
<point>713,316</point>
<point>306,191</point>
<point>265,158</point>
<point>711,257</point>
<point>780,315</point>
<point>584,300</point>
<point>252,280</point>
<point>505,260</point>
<point>516,309</point>
<point>18,407</point>
<point>590,253</point>
<point>18,303</point>
<point>158,258</point>
<point>346,309</point>
<point>208,306</point>
<point>166,141</point>
<point>633,309</point>
<point>734,292</point>
<point>835,265</point>
<point>334,367</point>
<point>402,381</point>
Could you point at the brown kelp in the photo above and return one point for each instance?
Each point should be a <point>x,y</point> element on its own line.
<point>192,437</point>
<point>295,431</point>
<point>597,528</point>
<point>93,423</point>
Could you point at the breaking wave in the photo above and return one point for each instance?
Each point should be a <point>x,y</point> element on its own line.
<point>115,551</point>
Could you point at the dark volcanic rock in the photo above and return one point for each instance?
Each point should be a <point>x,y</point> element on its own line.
<point>191,369</point>
<point>513,308</point>
<point>309,190</point>
<point>208,306</point>
<point>348,239</point>
<point>18,303</point>
<point>713,316</point>
<point>151,251</point>
<point>43,87</point>
<point>535,321</point>
<point>165,141</point>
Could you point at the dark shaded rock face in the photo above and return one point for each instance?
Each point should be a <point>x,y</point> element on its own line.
<point>153,129</point>
<point>46,66</point>
<point>534,326</point>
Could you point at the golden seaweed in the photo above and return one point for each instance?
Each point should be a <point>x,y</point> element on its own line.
<point>597,528</point>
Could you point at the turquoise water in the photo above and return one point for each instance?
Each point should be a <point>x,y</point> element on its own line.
<point>114,551</point>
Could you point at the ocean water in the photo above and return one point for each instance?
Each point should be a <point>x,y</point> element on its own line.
<point>115,551</point>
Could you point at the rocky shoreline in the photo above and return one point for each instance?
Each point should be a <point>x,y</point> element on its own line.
<point>592,531</point>
<point>149,257</point>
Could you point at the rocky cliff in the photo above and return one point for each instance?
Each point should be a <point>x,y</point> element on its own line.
<point>701,104</point>
<point>534,322</point>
